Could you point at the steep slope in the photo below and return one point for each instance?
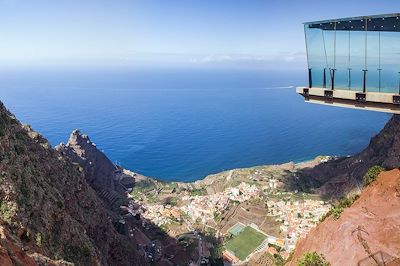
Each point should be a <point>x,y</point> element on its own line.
<point>367,233</point>
<point>112,185</point>
<point>98,169</point>
<point>47,206</point>
<point>337,177</point>
<point>101,174</point>
<point>11,252</point>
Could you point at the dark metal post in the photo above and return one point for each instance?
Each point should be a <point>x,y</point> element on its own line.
<point>379,62</point>
<point>334,60</point>
<point>365,80</point>
<point>399,82</point>
<point>309,78</point>
<point>349,78</point>
<point>365,57</point>
<point>324,81</point>
<point>380,79</point>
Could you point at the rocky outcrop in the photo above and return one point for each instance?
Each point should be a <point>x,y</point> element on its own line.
<point>99,170</point>
<point>337,177</point>
<point>367,233</point>
<point>49,209</point>
<point>110,182</point>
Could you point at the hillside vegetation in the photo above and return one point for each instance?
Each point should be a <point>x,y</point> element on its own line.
<point>47,210</point>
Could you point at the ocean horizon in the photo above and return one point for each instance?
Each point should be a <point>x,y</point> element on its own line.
<point>184,124</point>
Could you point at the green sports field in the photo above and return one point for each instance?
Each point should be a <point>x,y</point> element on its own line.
<point>245,242</point>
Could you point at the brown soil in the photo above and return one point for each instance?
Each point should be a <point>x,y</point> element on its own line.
<point>367,233</point>
<point>247,214</point>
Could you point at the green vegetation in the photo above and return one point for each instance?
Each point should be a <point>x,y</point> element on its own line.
<point>301,196</point>
<point>6,121</point>
<point>217,216</point>
<point>142,187</point>
<point>278,248</point>
<point>313,259</point>
<point>198,192</point>
<point>173,201</point>
<point>164,228</point>
<point>7,211</point>
<point>372,174</point>
<point>152,198</point>
<point>168,188</point>
<point>279,260</point>
<point>189,243</point>
<point>217,246</point>
<point>172,185</point>
<point>339,207</point>
<point>245,242</point>
<point>76,254</point>
<point>38,239</point>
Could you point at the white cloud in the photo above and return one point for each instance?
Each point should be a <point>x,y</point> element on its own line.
<point>250,59</point>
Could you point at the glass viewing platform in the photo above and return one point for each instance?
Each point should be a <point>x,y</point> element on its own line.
<point>354,62</point>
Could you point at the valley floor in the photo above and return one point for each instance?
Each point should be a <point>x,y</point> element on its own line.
<point>253,197</point>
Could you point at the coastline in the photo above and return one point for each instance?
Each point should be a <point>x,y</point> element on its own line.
<point>256,197</point>
<point>290,166</point>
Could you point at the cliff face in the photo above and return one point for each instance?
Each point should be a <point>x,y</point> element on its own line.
<point>367,233</point>
<point>101,174</point>
<point>47,207</point>
<point>112,184</point>
<point>337,177</point>
<point>98,169</point>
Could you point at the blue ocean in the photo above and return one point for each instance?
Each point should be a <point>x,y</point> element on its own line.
<point>184,124</point>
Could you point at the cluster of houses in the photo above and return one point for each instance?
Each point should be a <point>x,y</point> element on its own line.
<point>203,208</point>
<point>297,217</point>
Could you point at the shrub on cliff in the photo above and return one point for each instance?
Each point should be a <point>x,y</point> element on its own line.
<point>313,259</point>
<point>339,207</point>
<point>342,204</point>
<point>372,174</point>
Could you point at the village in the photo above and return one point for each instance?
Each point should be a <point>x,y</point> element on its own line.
<point>297,218</point>
<point>285,217</point>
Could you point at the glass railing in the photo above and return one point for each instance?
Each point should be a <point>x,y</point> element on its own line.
<point>358,55</point>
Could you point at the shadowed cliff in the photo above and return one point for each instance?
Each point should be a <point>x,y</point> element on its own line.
<point>337,177</point>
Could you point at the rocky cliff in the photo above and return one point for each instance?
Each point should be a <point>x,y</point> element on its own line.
<point>100,173</point>
<point>99,170</point>
<point>337,177</point>
<point>112,184</point>
<point>48,212</point>
<point>367,233</point>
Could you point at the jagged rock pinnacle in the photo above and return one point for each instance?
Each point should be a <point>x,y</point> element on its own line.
<point>99,170</point>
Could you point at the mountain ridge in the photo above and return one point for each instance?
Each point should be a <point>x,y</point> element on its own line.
<point>47,205</point>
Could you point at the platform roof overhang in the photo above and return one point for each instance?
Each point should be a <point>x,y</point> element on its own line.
<point>387,22</point>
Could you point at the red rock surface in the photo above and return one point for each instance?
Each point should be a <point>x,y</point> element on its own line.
<point>11,253</point>
<point>367,233</point>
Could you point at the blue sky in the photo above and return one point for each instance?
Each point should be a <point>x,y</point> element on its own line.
<point>172,33</point>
